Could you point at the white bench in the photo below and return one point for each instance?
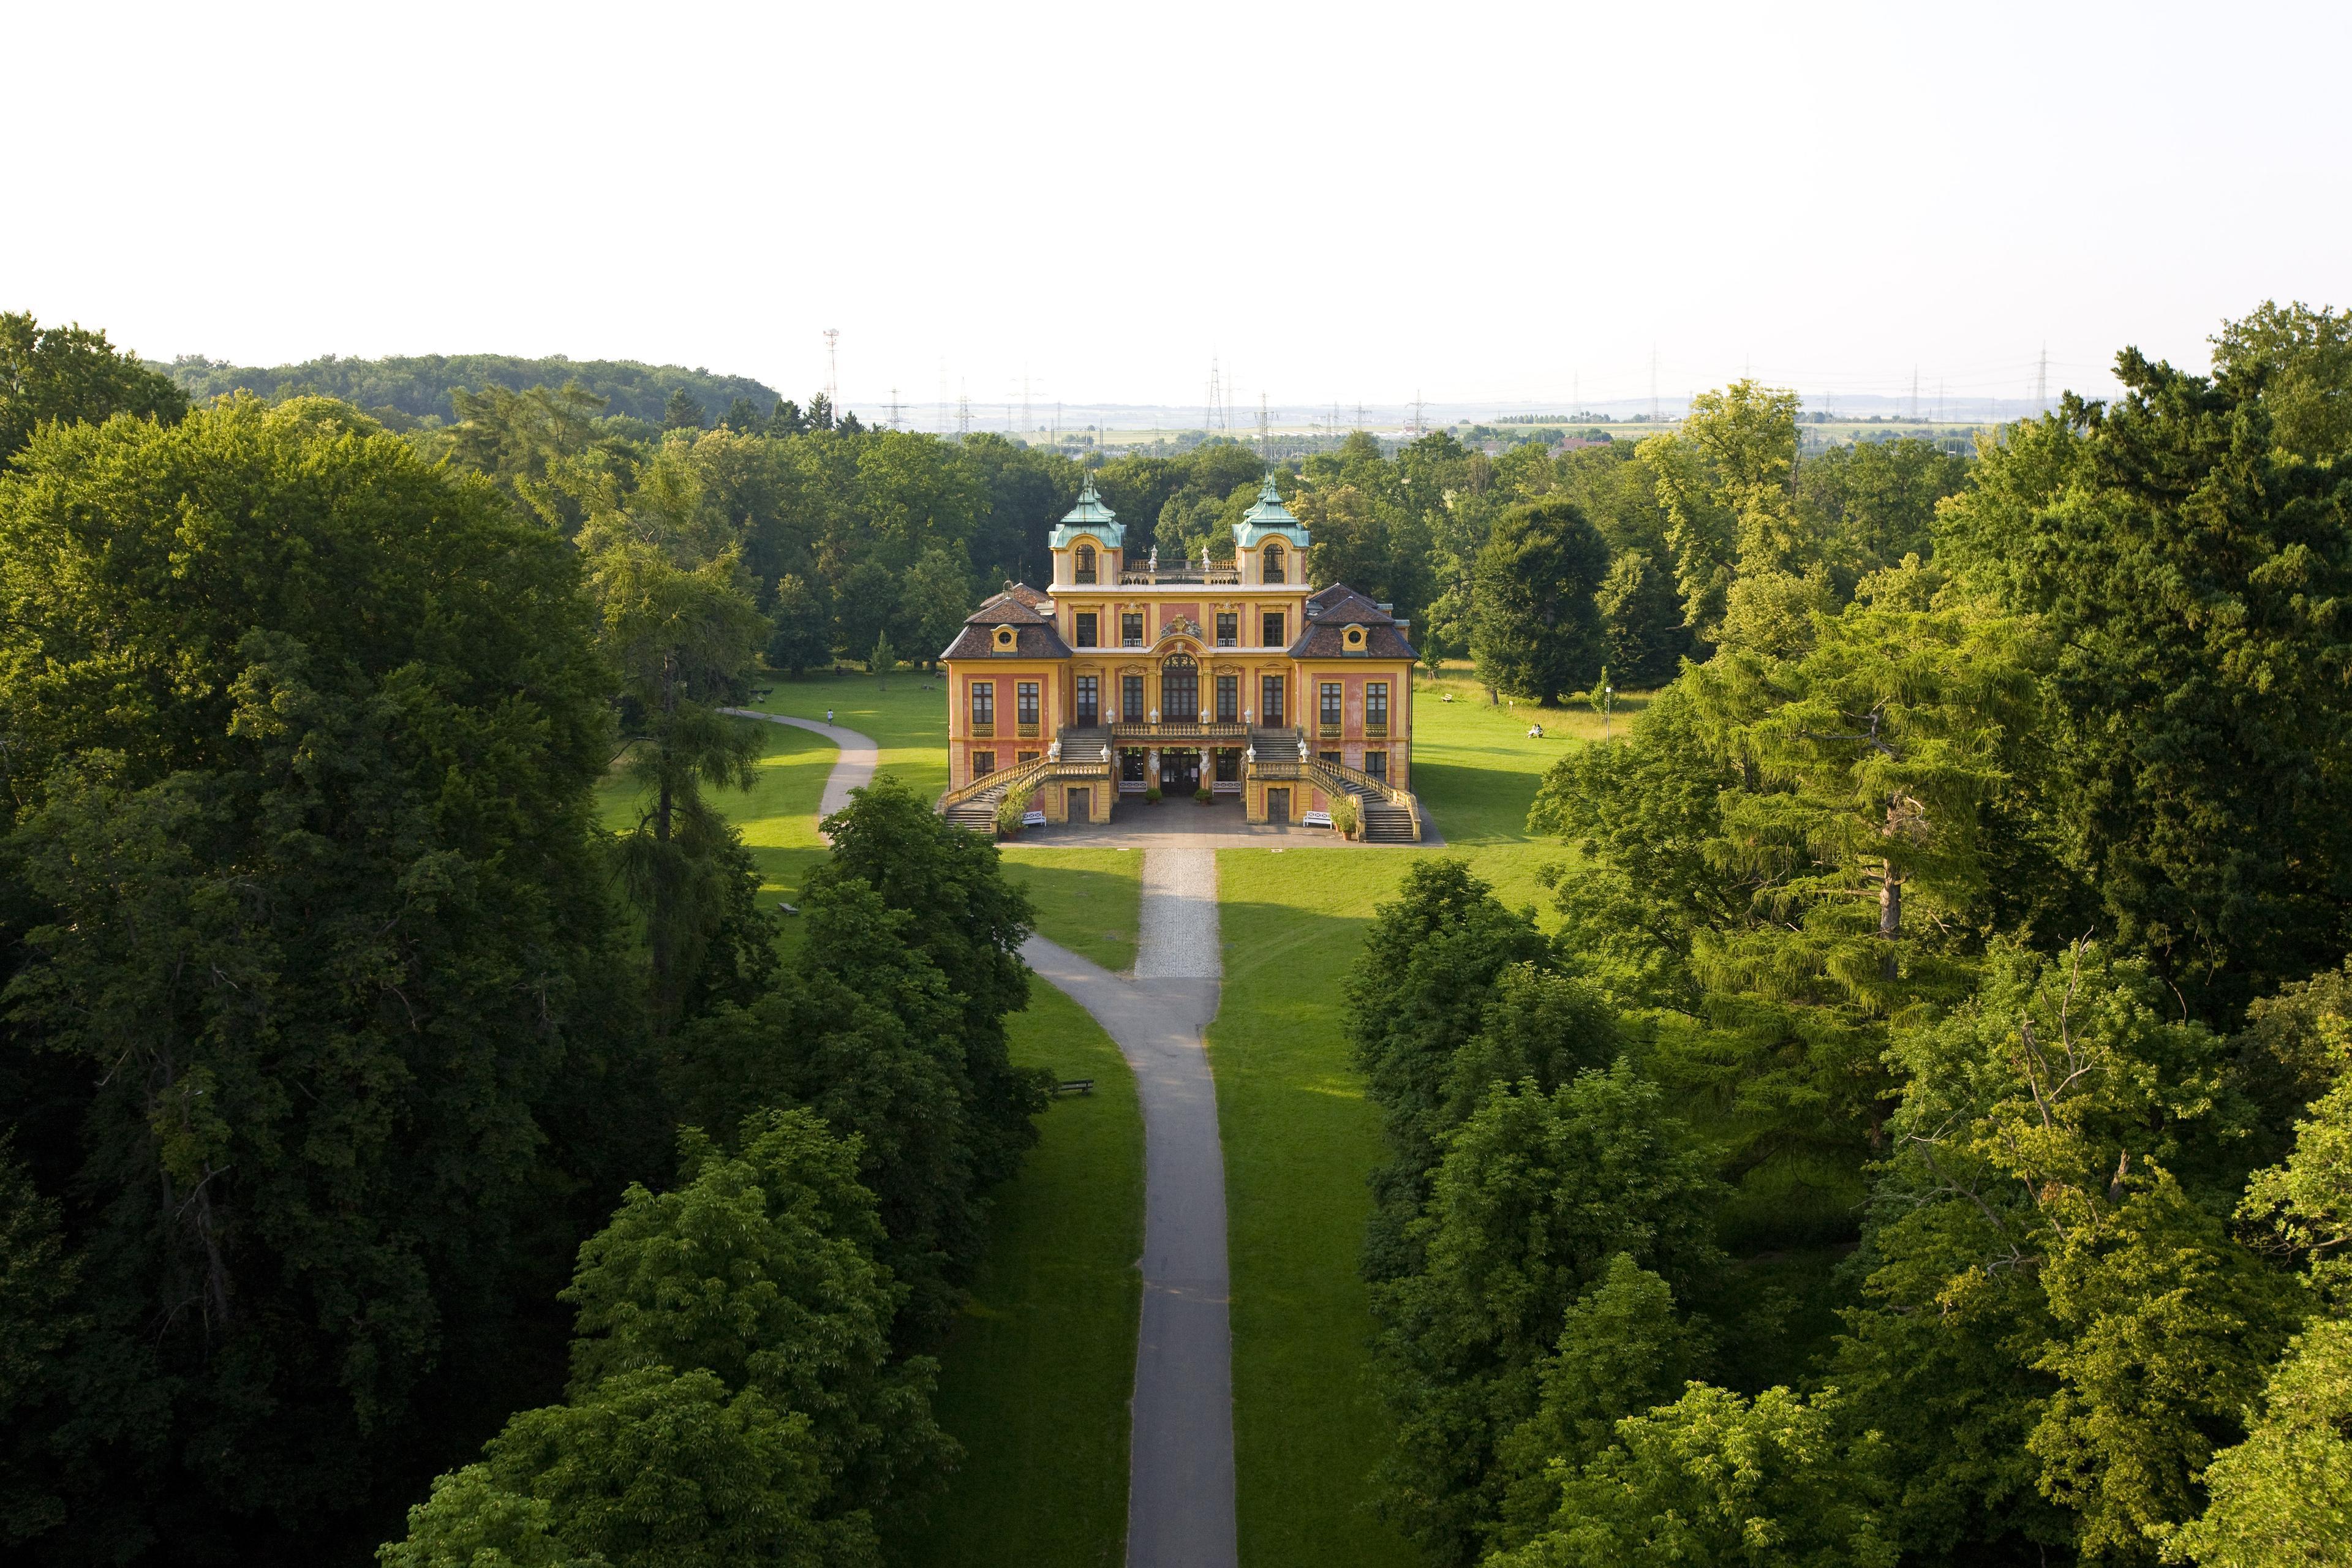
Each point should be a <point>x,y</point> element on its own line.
<point>1315,819</point>
<point>1033,819</point>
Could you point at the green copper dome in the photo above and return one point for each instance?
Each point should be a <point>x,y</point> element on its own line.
<point>1090,516</point>
<point>1268,518</point>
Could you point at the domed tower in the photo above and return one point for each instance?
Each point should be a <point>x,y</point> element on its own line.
<point>1088,544</point>
<point>1269,544</point>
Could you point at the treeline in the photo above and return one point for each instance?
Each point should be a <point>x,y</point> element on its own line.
<point>402,392</point>
<point>1923,1137</point>
<point>359,1092</point>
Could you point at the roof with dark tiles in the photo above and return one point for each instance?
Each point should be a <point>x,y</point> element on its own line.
<point>1030,614</point>
<point>1331,611</point>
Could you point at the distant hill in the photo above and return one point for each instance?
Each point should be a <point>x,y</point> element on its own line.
<point>419,387</point>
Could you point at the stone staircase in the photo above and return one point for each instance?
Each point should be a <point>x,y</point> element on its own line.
<point>1385,822</point>
<point>978,811</point>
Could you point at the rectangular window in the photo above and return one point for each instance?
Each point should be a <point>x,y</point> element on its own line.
<point>983,702</point>
<point>1270,626</point>
<point>1330,705</point>
<point>1130,767</point>
<point>1334,757</point>
<point>1024,759</point>
<point>1025,694</point>
<point>982,763</point>
<point>1229,764</point>
<point>1229,700</point>
<point>1089,700</point>
<point>1376,707</point>
<point>1086,629</point>
<point>1377,764</point>
<point>1269,708</point>
<point>1228,628</point>
<point>1130,698</point>
<point>1131,630</point>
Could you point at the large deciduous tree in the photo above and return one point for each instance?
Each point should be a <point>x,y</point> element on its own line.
<point>72,373</point>
<point>1536,630</point>
<point>313,975</point>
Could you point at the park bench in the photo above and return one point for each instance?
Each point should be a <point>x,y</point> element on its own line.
<point>1076,1086</point>
<point>1033,819</point>
<point>1315,819</point>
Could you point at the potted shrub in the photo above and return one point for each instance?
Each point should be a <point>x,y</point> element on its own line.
<point>1205,795</point>
<point>1347,818</point>
<point>1009,811</point>
<point>1151,795</point>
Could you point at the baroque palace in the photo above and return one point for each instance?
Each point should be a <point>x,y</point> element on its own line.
<point>1241,678</point>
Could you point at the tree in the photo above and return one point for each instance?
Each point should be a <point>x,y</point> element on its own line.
<point>884,660</point>
<point>787,419</point>
<point>316,1015</point>
<point>733,1399</point>
<point>681,643</point>
<point>970,923</point>
<point>1536,630</point>
<point>2187,569</point>
<point>1714,1481</point>
<point>2283,1497</point>
<point>799,639</point>
<point>72,373</point>
<point>1642,620</point>
<point>1873,502</point>
<point>684,411</point>
<point>741,417</point>
<point>937,598</point>
<point>1536,1193</point>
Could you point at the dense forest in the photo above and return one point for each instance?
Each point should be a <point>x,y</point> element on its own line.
<point>426,387</point>
<point>1915,1135</point>
<point>1921,1137</point>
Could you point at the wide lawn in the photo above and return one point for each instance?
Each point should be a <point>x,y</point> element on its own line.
<point>1301,1139</point>
<point>905,713</point>
<point>1035,1379</point>
<point>1088,900</point>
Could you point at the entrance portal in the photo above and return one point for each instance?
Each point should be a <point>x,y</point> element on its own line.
<point>1179,772</point>
<point>1277,805</point>
<point>1082,806</point>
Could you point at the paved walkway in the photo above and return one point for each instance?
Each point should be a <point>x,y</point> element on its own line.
<point>853,770</point>
<point>1180,1496</point>
<point>1180,1499</point>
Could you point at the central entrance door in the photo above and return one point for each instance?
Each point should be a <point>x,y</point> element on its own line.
<point>1179,772</point>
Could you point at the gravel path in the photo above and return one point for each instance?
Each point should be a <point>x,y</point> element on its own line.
<point>1179,1501</point>
<point>853,769</point>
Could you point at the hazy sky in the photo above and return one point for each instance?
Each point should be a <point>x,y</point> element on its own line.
<point>1342,203</point>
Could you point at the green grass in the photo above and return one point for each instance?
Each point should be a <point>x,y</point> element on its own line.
<point>907,715</point>
<point>1088,900</point>
<point>1035,1379</point>
<point>1300,1137</point>
<point>777,814</point>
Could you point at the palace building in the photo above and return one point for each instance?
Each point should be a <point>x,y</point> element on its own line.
<point>1241,677</point>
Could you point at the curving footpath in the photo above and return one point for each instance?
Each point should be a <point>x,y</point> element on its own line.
<point>853,770</point>
<point>1180,1491</point>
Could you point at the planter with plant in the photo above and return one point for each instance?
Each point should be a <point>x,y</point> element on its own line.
<point>1347,817</point>
<point>1151,795</point>
<point>1205,795</point>
<point>1009,811</point>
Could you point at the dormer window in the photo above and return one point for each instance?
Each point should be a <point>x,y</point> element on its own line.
<point>1274,569</point>
<point>1006,640</point>
<point>1354,638</point>
<point>1086,564</point>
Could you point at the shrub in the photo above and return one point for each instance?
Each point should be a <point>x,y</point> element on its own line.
<point>1151,795</point>
<point>1010,810</point>
<point>1345,818</point>
<point>1204,794</point>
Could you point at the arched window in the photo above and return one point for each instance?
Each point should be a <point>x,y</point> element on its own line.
<point>1086,563</point>
<point>1179,689</point>
<point>1274,563</point>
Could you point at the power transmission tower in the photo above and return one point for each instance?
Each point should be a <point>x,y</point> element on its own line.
<point>1417,407</point>
<point>2042,382</point>
<point>1215,419</point>
<point>893,408</point>
<point>1360,415</point>
<point>964,411</point>
<point>1265,433</point>
<point>833,370</point>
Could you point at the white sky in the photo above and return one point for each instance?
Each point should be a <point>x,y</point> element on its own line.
<point>1496,201</point>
